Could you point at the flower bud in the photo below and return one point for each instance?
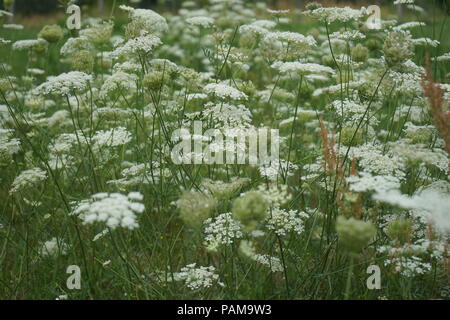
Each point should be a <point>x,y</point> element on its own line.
<point>41,46</point>
<point>360,53</point>
<point>195,207</point>
<point>51,33</point>
<point>83,61</point>
<point>250,209</point>
<point>398,47</point>
<point>153,81</point>
<point>354,234</point>
<point>347,138</point>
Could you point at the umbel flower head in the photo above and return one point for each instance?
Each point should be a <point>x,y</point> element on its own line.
<point>302,68</point>
<point>98,34</point>
<point>144,20</point>
<point>83,61</point>
<point>360,53</point>
<point>37,45</point>
<point>222,230</point>
<point>197,277</point>
<point>115,209</point>
<point>140,46</point>
<point>354,234</point>
<point>315,10</point>
<point>398,47</point>
<point>153,81</point>
<point>250,209</point>
<point>8,146</point>
<point>27,179</point>
<point>65,83</point>
<point>195,207</point>
<point>224,191</point>
<point>52,33</point>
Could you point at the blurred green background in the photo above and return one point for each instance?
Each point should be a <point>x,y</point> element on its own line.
<point>34,14</point>
<point>29,7</point>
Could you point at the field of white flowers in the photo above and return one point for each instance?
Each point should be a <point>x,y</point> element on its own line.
<point>356,205</point>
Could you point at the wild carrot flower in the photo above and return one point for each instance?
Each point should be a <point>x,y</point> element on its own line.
<point>113,209</point>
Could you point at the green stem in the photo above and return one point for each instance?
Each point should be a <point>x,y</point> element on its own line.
<point>349,279</point>
<point>113,8</point>
<point>293,128</point>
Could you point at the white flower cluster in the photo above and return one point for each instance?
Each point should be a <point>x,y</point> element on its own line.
<point>13,26</point>
<point>275,195</point>
<point>4,116</point>
<point>444,57</point>
<point>446,88</point>
<point>420,153</point>
<point>404,1</point>
<point>28,44</point>
<point>272,262</point>
<point>63,143</point>
<point>334,89</point>
<point>426,42</point>
<point>409,25</point>
<point>141,46</point>
<point>8,145</point>
<point>257,28</point>
<point>350,110</point>
<point>409,266</point>
<point>414,113</point>
<point>36,71</point>
<point>410,259</point>
<point>4,13</point>
<point>221,230</point>
<point>247,249</point>
<point>65,83</point>
<point>405,82</point>
<point>197,278</point>
<point>139,173</point>
<point>59,118</point>
<point>111,138</point>
<point>120,82</point>
<point>74,45</point>
<point>422,247</point>
<point>226,115</point>
<point>283,221</point>
<point>373,159</point>
<point>364,181</point>
<point>4,41</point>
<point>224,91</point>
<point>291,37</point>
<point>225,190</point>
<point>115,209</point>
<point>348,35</point>
<point>302,68</point>
<point>332,14</point>
<point>27,178</point>
<point>53,248</point>
<point>201,21</point>
<point>430,204</point>
<point>151,21</point>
